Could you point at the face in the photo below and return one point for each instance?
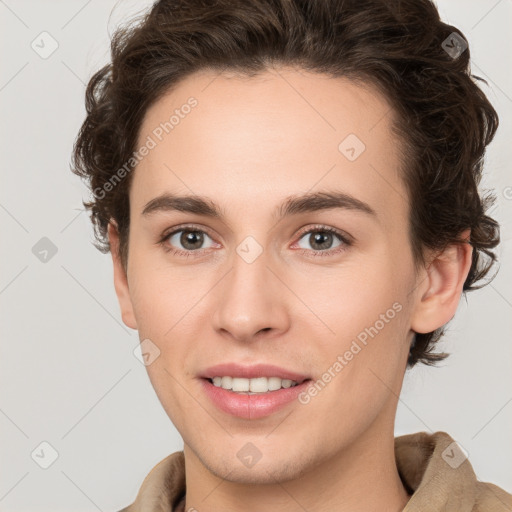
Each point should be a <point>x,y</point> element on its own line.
<point>325,291</point>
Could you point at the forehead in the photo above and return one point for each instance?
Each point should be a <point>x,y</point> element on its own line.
<point>259,139</point>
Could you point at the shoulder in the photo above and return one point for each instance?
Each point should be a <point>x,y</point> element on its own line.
<point>437,473</point>
<point>491,498</point>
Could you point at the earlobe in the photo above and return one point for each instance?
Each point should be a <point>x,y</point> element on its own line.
<point>440,291</point>
<point>120,279</point>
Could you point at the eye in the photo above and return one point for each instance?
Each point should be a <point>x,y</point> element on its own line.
<point>321,239</point>
<point>190,238</point>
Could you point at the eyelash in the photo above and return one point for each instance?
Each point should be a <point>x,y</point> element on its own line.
<point>346,242</point>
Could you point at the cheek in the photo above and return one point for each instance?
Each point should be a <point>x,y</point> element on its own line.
<point>352,297</point>
<point>366,307</point>
<point>160,297</point>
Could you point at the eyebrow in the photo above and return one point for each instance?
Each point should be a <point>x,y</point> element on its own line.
<point>293,205</point>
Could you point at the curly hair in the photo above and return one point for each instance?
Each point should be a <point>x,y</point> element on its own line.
<point>420,64</point>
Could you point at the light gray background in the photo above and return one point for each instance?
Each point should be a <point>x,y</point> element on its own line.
<point>68,373</point>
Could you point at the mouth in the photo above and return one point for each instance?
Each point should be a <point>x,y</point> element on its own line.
<point>253,392</point>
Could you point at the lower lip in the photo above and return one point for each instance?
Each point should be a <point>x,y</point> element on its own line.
<point>252,407</point>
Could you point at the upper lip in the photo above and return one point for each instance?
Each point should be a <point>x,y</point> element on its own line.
<point>251,372</point>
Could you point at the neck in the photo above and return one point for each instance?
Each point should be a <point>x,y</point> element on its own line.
<point>361,477</point>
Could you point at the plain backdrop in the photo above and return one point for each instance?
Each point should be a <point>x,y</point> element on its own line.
<point>69,376</point>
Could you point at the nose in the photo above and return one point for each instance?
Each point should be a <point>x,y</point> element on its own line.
<point>251,302</point>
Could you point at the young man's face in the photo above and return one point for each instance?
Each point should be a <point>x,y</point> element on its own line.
<point>254,288</point>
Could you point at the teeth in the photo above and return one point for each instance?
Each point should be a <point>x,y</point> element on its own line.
<point>250,386</point>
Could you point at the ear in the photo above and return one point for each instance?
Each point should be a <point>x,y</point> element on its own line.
<point>120,279</point>
<point>440,290</point>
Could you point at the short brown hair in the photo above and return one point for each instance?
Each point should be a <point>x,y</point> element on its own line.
<point>445,121</point>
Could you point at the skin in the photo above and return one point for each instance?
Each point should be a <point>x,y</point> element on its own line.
<point>248,145</point>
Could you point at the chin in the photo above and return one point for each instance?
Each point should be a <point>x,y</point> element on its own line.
<point>263,472</point>
<point>257,476</point>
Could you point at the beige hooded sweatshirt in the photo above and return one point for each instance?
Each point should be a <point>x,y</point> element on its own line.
<point>433,469</point>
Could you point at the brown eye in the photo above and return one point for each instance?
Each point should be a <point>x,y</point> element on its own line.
<point>321,239</point>
<point>187,239</point>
